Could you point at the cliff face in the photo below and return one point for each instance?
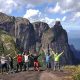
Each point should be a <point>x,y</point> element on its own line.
<point>24,33</point>
<point>57,38</point>
<point>37,34</point>
<point>7,23</point>
<point>20,28</point>
<point>40,28</point>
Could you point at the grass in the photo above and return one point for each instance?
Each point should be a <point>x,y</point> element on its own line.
<point>75,71</point>
<point>7,44</point>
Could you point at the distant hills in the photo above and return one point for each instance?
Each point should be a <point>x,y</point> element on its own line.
<point>74,38</point>
<point>75,42</point>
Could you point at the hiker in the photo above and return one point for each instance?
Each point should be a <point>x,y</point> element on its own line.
<point>10,63</point>
<point>56,59</point>
<point>35,59</point>
<point>19,62</point>
<point>3,64</point>
<point>48,62</point>
<point>26,60</point>
<point>47,59</point>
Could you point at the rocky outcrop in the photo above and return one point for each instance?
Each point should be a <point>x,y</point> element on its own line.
<point>40,28</point>
<point>76,54</point>
<point>56,37</point>
<point>7,23</point>
<point>37,34</point>
<point>24,33</point>
<point>20,28</point>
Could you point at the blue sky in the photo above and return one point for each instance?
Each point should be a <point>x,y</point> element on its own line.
<point>67,11</point>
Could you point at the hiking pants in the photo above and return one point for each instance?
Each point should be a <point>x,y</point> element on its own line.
<point>48,64</point>
<point>36,65</point>
<point>4,66</point>
<point>26,65</point>
<point>19,66</point>
<point>56,65</point>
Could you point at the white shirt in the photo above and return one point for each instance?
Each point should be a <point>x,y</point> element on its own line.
<point>3,60</point>
<point>26,59</point>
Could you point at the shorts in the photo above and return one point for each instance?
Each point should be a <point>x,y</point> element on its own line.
<point>36,64</point>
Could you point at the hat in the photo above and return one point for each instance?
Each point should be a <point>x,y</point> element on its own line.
<point>20,52</point>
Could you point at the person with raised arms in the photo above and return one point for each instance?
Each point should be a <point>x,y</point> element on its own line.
<point>26,55</point>
<point>19,61</point>
<point>57,59</point>
<point>3,61</point>
<point>47,58</point>
<point>35,60</point>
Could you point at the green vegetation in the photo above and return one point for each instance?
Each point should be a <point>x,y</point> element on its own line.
<point>7,44</point>
<point>41,58</point>
<point>75,71</point>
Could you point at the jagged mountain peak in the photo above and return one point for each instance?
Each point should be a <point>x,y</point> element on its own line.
<point>38,34</point>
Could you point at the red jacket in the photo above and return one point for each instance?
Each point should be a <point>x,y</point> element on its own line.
<point>19,58</point>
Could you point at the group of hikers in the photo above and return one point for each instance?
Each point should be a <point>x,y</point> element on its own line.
<point>23,60</point>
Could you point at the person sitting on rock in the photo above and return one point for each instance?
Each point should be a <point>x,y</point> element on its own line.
<point>57,59</point>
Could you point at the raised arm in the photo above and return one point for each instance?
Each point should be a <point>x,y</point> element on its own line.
<point>44,51</point>
<point>15,56</point>
<point>52,51</point>
<point>30,53</point>
<point>61,53</point>
<point>8,55</point>
<point>39,55</point>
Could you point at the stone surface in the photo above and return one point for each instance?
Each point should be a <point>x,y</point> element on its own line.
<point>40,28</point>
<point>56,38</point>
<point>30,35</point>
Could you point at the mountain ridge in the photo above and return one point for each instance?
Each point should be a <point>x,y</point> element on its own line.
<point>37,35</point>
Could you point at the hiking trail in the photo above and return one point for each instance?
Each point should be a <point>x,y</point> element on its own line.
<point>34,75</point>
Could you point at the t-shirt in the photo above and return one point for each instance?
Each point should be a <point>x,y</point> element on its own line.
<point>35,58</point>
<point>3,60</point>
<point>19,58</point>
<point>26,58</point>
<point>47,58</point>
<point>57,57</point>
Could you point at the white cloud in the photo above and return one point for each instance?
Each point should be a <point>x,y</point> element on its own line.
<point>77,15</point>
<point>55,9</point>
<point>65,11</point>
<point>36,2</point>
<point>35,15</point>
<point>48,20</point>
<point>58,19</point>
<point>64,18</point>
<point>31,13</point>
<point>30,6</point>
<point>7,6</point>
<point>51,21</point>
<point>64,6</point>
